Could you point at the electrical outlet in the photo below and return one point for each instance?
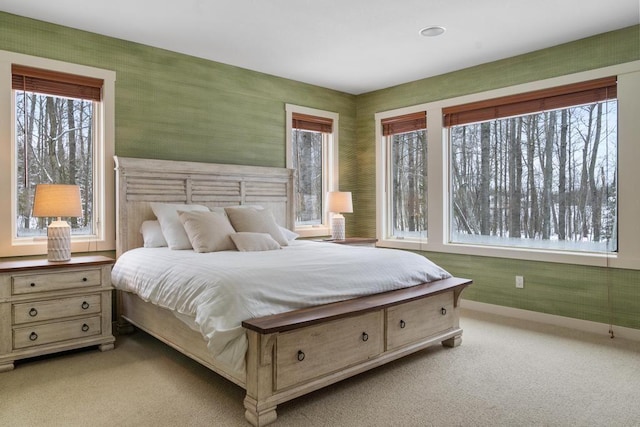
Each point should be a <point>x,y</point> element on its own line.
<point>520,282</point>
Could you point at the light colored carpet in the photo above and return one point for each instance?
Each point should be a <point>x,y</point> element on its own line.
<point>506,373</point>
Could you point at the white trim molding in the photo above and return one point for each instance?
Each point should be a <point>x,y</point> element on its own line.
<point>104,185</point>
<point>552,319</point>
<point>330,163</point>
<point>628,254</point>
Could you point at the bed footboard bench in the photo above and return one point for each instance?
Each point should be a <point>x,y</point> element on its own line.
<point>294,353</point>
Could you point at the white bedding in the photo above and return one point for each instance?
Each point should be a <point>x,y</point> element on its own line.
<point>216,291</point>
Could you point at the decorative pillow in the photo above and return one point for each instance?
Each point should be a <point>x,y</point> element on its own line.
<point>152,234</point>
<point>172,229</point>
<point>207,231</point>
<point>255,221</point>
<point>251,242</point>
<point>218,209</point>
<point>288,234</point>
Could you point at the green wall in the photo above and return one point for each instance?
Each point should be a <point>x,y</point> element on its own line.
<point>605,295</point>
<point>174,106</point>
<point>588,293</point>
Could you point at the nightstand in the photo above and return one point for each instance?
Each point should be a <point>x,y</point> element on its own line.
<point>47,307</point>
<point>355,241</point>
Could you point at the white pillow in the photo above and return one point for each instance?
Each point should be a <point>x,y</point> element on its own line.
<point>218,209</point>
<point>152,234</point>
<point>207,231</point>
<point>172,229</point>
<point>251,242</point>
<point>288,234</point>
<point>255,221</point>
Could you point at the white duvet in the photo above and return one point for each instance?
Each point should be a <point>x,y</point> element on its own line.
<point>214,292</point>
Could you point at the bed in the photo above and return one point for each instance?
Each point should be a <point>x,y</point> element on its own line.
<point>287,352</point>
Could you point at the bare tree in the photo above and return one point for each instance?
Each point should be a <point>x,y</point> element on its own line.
<point>54,144</point>
<point>541,176</point>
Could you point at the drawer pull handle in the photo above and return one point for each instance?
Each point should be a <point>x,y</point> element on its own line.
<point>300,355</point>
<point>33,285</point>
<point>33,336</point>
<point>403,324</point>
<point>443,311</point>
<point>85,305</point>
<point>33,312</point>
<point>84,279</point>
<point>85,327</point>
<point>365,336</point>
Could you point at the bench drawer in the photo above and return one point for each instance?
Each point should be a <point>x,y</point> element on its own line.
<point>415,320</point>
<point>304,354</point>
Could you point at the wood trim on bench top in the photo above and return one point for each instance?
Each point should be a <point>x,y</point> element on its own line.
<point>317,314</point>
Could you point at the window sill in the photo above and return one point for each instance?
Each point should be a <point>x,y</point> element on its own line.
<point>313,231</point>
<point>564,257</point>
<point>38,246</point>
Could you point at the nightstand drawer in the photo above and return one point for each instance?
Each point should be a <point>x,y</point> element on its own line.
<point>38,311</point>
<point>54,281</point>
<point>54,332</point>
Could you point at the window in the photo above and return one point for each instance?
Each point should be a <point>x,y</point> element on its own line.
<point>312,152</point>
<point>62,133</point>
<point>406,142</point>
<point>55,142</point>
<point>536,170</point>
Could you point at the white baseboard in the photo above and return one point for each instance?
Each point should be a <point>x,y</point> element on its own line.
<point>552,319</point>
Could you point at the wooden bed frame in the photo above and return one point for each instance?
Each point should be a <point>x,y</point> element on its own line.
<point>293,353</point>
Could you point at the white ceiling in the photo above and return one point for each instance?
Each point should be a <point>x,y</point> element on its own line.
<point>354,46</point>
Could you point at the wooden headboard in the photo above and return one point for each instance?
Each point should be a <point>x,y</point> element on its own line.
<point>141,181</point>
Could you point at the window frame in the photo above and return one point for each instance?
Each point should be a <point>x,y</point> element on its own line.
<point>628,254</point>
<point>527,105</point>
<point>330,181</point>
<point>104,181</point>
<point>404,127</point>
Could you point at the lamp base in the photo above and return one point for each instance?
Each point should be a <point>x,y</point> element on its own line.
<point>337,227</point>
<point>59,241</point>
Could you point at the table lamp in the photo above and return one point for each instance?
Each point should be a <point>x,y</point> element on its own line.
<point>57,200</point>
<point>338,202</point>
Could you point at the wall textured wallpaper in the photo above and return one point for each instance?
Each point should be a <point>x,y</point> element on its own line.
<point>175,106</point>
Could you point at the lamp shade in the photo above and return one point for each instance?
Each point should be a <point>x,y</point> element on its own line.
<point>339,201</point>
<point>57,200</point>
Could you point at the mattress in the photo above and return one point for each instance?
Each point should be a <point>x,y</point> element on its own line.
<point>214,292</point>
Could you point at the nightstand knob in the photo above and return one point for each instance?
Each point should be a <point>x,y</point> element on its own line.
<point>33,336</point>
<point>32,285</point>
<point>443,311</point>
<point>403,324</point>
<point>85,327</point>
<point>300,355</point>
<point>33,312</point>
<point>85,305</point>
<point>365,336</point>
<point>84,279</point>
